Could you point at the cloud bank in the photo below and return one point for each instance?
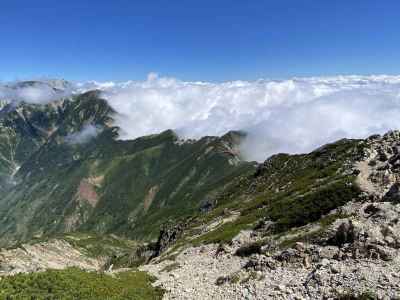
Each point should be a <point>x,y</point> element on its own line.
<point>293,116</point>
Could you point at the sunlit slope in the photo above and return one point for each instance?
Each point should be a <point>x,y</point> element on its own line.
<point>107,185</point>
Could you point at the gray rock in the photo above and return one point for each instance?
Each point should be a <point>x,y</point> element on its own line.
<point>299,246</point>
<point>260,263</point>
<point>335,268</point>
<point>393,195</point>
<point>328,252</point>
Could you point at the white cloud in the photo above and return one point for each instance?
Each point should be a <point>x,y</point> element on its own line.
<point>295,115</point>
<point>85,135</point>
<point>34,92</point>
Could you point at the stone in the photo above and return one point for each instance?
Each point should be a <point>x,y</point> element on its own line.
<point>260,263</point>
<point>335,269</point>
<point>299,246</point>
<point>382,156</point>
<point>389,241</point>
<point>393,195</point>
<point>381,252</point>
<point>356,253</point>
<point>328,252</point>
<point>307,262</point>
<point>324,262</point>
<point>288,255</point>
<point>383,166</point>
<point>394,159</point>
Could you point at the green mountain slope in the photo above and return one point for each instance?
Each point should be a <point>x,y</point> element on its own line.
<point>131,188</point>
<point>104,184</point>
<point>23,129</point>
<point>284,193</point>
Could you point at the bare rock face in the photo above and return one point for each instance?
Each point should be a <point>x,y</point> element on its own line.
<point>380,168</point>
<point>372,232</point>
<point>169,233</point>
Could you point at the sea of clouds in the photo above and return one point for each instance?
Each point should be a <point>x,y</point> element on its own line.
<point>295,115</point>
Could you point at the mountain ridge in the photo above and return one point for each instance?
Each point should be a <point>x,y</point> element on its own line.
<point>82,168</point>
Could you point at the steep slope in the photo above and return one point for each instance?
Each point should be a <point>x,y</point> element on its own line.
<point>323,225</point>
<point>285,191</point>
<point>26,126</point>
<point>102,184</point>
<point>23,129</point>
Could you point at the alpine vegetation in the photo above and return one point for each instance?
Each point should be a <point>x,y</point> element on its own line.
<point>261,159</point>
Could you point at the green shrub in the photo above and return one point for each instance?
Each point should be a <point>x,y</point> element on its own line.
<point>249,249</point>
<point>74,283</point>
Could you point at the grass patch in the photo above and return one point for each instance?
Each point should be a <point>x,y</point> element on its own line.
<point>298,211</point>
<point>224,233</point>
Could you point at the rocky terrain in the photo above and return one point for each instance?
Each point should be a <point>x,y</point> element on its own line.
<point>55,254</point>
<point>357,255</point>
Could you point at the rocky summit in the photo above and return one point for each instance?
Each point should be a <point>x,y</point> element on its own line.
<point>164,217</point>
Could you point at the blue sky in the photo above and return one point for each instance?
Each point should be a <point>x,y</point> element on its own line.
<point>214,40</point>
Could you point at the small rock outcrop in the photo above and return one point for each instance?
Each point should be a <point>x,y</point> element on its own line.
<point>169,234</point>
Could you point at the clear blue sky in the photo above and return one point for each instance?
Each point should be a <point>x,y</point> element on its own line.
<point>213,40</point>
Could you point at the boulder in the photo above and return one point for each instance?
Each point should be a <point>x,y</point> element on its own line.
<point>289,256</point>
<point>260,263</point>
<point>299,246</point>
<point>381,252</point>
<point>393,195</point>
<point>344,234</point>
<point>328,252</point>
